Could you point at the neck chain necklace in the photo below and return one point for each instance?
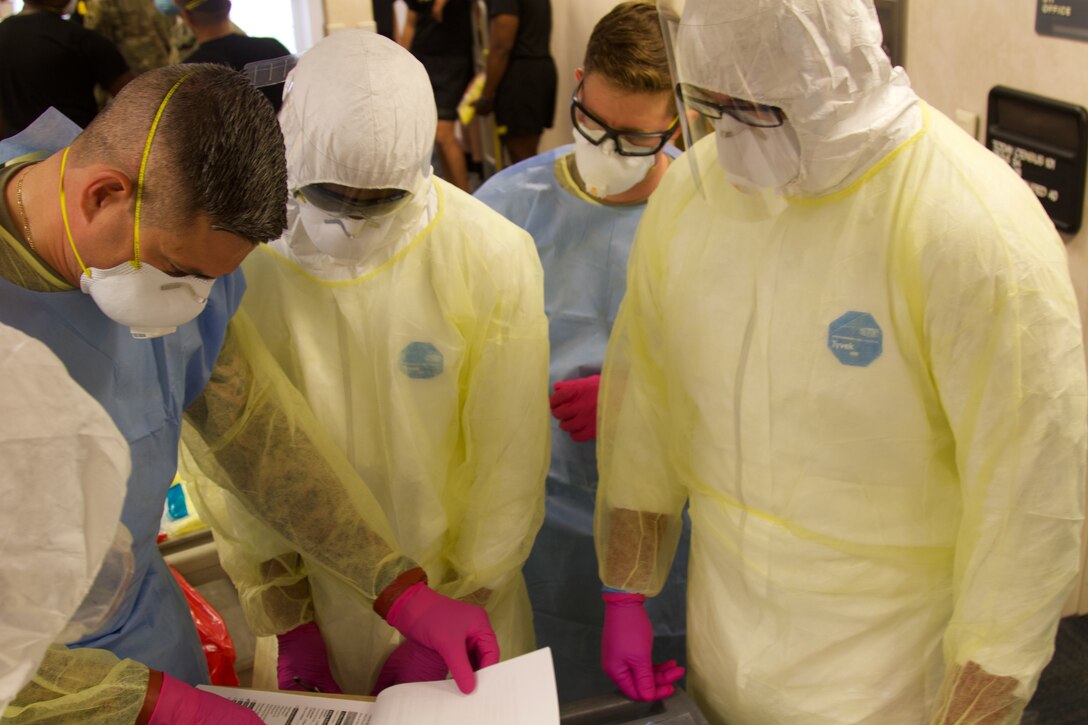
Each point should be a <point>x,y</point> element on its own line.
<point>22,211</point>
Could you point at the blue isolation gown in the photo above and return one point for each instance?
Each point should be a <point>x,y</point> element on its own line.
<point>145,386</point>
<point>583,246</point>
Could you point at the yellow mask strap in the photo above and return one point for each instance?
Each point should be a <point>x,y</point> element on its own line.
<point>139,186</point>
<point>194,4</point>
<point>64,213</point>
<point>143,169</point>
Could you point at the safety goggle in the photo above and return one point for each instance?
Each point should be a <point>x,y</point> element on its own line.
<point>714,107</point>
<point>628,143</point>
<point>377,203</point>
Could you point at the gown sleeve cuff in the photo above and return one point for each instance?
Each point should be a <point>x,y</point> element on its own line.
<point>398,586</point>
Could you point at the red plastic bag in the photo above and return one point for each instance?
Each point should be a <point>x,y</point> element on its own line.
<point>218,646</point>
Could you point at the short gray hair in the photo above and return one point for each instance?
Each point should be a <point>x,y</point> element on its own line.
<point>217,151</point>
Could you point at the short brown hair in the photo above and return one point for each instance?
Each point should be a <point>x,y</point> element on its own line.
<point>217,151</point>
<point>627,48</point>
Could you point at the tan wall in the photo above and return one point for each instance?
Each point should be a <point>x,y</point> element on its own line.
<point>344,14</point>
<point>572,22</point>
<point>957,51</point>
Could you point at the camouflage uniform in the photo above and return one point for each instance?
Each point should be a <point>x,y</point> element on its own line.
<point>139,31</point>
<point>182,41</point>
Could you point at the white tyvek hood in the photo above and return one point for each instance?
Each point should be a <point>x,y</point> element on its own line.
<point>820,61</point>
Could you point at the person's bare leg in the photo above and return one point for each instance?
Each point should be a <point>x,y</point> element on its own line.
<point>451,155</point>
<point>520,148</point>
<point>472,139</point>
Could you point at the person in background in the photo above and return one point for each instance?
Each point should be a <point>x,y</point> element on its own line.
<point>520,74</point>
<point>118,250</point>
<point>582,204</point>
<point>182,40</point>
<point>219,43</point>
<point>851,343</point>
<point>439,35</point>
<point>47,61</point>
<point>408,319</point>
<point>385,18</point>
<point>139,31</point>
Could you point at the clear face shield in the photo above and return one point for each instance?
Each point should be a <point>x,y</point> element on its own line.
<point>344,202</point>
<point>721,92</point>
<point>345,222</point>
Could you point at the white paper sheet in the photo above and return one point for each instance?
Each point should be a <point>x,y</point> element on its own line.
<point>288,708</point>
<point>521,690</point>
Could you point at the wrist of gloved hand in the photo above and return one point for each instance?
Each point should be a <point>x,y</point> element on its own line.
<point>460,633</point>
<point>173,702</point>
<point>388,596</point>
<point>151,699</point>
<point>618,597</point>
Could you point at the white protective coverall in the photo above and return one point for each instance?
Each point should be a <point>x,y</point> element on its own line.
<point>424,357</point>
<point>67,557</point>
<point>870,388</point>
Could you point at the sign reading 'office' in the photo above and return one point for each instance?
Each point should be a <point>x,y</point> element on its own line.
<point>1062,18</point>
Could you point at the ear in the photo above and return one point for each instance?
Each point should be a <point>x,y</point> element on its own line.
<point>104,190</point>
<point>579,74</point>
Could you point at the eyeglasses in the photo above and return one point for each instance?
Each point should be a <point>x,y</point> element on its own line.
<point>341,205</point>
<point>748,113</point>
<point>628,143</point>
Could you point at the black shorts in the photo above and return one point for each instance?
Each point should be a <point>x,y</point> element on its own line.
<point>525,100</point>
<point>450,76</point>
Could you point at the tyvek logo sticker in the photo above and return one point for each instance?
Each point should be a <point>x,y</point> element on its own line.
<point>855,339</point>
<point>421,360</point>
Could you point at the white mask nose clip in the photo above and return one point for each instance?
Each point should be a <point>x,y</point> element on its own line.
<point>604,172</point>
<point>146,299</point>
<point>180,284</point>
<point>352,229</point>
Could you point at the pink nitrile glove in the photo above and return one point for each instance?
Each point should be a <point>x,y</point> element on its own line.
<point>574,405</point>
<point>410,662</point>
<point>180,704</point>
<point>303,662</point>
<point>627,647</point>
<point>460,633</point>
